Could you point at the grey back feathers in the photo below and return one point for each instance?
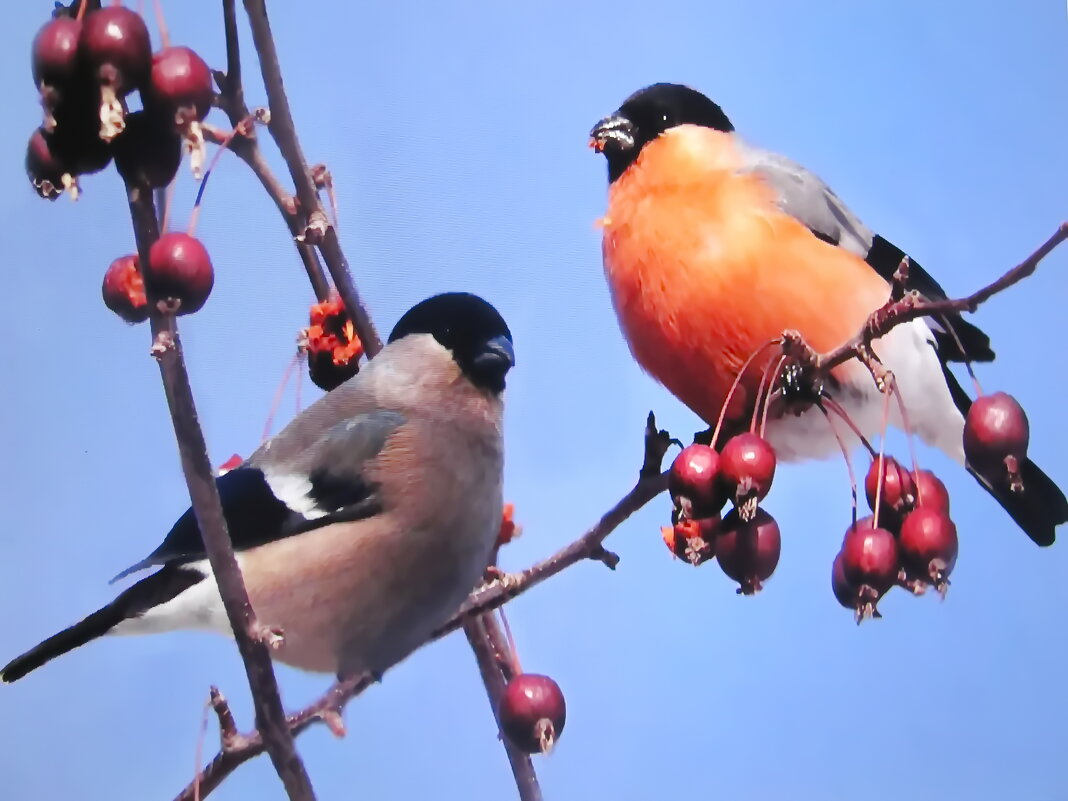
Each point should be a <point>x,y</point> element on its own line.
<point>806,198</point>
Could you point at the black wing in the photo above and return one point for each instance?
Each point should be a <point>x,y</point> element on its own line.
<point>279,495</point>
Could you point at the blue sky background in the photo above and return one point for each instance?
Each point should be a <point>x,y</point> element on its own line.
<point>456,134</point>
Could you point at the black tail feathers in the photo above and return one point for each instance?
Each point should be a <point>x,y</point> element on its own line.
<point>150,591</point>
<point>1038,510</point>
<point>95,625</point>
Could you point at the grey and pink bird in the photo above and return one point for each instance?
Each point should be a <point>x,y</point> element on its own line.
<point>362,525</point>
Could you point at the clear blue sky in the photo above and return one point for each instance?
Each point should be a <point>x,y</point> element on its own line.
<point>457,138</point>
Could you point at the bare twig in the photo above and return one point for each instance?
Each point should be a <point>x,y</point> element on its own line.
<point>237,749</point>
<point>232,101</point>
<point>317,227</point>
<point>485,647</point>
<point>204,495</point>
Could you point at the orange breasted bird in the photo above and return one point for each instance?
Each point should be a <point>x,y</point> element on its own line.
<point>713,247</point>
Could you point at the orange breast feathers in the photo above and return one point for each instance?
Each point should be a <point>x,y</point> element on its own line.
<point>703,269</point>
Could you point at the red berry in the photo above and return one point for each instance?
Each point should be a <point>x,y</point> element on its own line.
<point>748,551</point>
<point>326,373</point>
<point>55,52</point>
<point>180,79</point>
<point>693,481</point>
<point>898,490</point>
<point>179,268</point>
<point>115,44</point>
<point>46,169</point>
<point>929,546</point>
<point>931,493</point>
<point>996,436</point>
<point>693,540</point>
<point>869,563</point>
<point>844,592</point>
<point>124,290</point>
<point>746,470</point>
<point>532,712</point>
<point>148,152</point>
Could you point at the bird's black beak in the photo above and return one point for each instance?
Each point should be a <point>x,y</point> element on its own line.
<point>490,366</point>
<point>615,133</point>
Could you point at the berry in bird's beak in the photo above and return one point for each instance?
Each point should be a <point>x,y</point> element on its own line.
<point>614,132</point>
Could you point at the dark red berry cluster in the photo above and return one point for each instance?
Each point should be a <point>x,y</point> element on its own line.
<point>88,61</point>
<point>745,540</point>
<point>909,540</point>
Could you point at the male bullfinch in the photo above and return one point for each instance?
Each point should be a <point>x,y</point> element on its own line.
<point>363,525</point>
<point>712,247</point>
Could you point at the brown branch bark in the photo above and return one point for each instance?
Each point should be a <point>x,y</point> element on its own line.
<point>247,148</point>
<point>318,229</point>
<point>204,496</point>
<point>485,647</point>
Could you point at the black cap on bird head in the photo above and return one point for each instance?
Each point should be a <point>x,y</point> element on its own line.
<point>645,115</point>
<point>470,328</point>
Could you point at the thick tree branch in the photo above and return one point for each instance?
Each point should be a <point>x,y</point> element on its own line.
<point>491,665</point>
<point>318,229</point>
<point>204,495</point>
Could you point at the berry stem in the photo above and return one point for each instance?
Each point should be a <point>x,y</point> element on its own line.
<point>881,471</point>
<point>771,391</point>
<point>836,407</point>
<point>967,362</point>
<point>161,23</point>
<point>908,433</point>
<point>734,386</point>
<point>512,657</point>
<point>165,214</point>
<point>760,395</point>
<point>198,759</point>
<point>300,382</point>
<point>81,10</point>
<point>194,215</point>
<point>277,400</point>
<point>848,461</point>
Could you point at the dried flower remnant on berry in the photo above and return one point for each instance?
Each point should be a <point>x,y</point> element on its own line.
<point>333,348</point>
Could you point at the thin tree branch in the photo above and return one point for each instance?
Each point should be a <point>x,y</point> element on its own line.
<point>237,749</point>
<point>204,496</point>
<point>911,307</point>
<point>232,101</point>
<point>589,546</point>
<point>318,229</point>
<point>489,658</point>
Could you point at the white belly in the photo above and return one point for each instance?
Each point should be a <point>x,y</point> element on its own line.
<point>906,351</point>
